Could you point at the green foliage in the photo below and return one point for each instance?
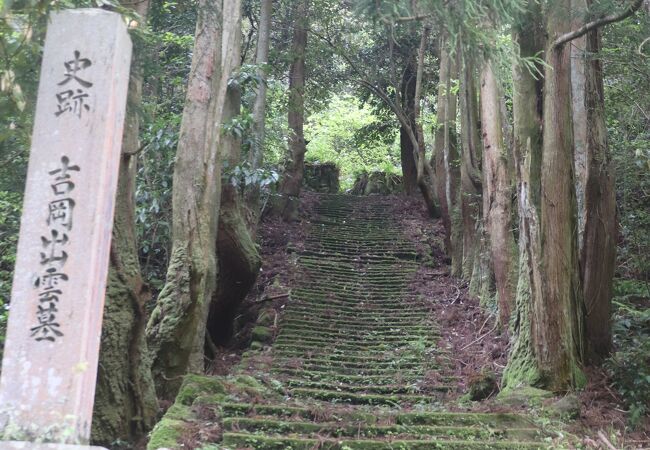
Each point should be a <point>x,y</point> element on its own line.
<point>333,137</point>
<point>10,205</point>
<point>154,196</point>
<point>629,365</point>
<point>627,95</point>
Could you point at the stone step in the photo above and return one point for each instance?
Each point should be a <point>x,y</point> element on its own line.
<point>361,430</point>
<point>397,400</point>
<point>263,442</point>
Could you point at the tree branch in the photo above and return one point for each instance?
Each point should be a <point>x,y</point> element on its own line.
<point>586,28</point>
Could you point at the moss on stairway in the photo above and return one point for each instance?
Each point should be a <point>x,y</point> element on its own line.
<point>355,361</point>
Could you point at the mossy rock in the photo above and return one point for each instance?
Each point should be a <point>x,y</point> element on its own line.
<point>377,183</point>
<point>566,408</point>
<point>322,177</point>
<point>166,434</point>
<point>482,386</point>
<point>523,396</point>
<point>195,385</point>
<point>266,318</point>
<point>262,334</point>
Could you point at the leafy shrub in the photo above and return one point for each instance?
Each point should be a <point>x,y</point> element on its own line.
<point>10,205</point>
<point>629,365</point>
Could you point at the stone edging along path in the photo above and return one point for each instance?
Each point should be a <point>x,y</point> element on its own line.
<point>355,363</point>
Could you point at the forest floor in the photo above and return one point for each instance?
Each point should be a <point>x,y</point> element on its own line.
<point>364,340</point>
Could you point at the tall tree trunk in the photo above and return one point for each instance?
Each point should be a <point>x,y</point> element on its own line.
<point>176,329</point>
<point>256,156</point>
<point>579,114</point>
<point>473,267</point>
<point>522,366</point>
<point>238,258</point>
<point>598,253</point>
<point>409,170</point>
<point>425,177</point>
<point>447,178</point>
<point>558,328</point>
<point>497,195</point>
<point>291,183</point>
<point>125,398</point>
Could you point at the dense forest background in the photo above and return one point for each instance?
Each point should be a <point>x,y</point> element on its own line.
<point>356,59</point>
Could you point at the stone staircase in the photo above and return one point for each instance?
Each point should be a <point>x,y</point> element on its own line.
<point>356,362</point>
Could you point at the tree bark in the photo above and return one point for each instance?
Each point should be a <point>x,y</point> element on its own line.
<point>558,326</point>
<point>425,177</point>
<point>176,329</point>
<point>444,159</point>
<point>409,170</point>
<point>238,259</point>
<point>125,398</point>
<point>259,108</point>
<point>291,183</point>
<point>598,252</point>
<point>497,195</point>
<point>522,367</point>
<point>470,177</point>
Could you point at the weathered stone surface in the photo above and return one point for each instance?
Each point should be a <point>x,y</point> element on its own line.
<point>322,177</point>
<point>50,358</point>
<point>18,445</point>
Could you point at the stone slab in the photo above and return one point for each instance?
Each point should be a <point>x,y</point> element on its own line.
<point>49,369</point>
<point>22,445</point>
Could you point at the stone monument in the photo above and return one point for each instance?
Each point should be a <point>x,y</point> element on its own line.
<point>49,367</point>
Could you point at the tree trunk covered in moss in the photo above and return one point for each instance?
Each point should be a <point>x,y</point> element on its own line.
<point>471,184</point>
<point>548,325</point>
<point>598,253</point>
<point>445,158</point>
<point>409,171</point>
<point>497,194</point>
<point>176,329</point>
<point>125,398</point>
<point>238,259</point>
<point>292,179</point>
<point>527,105</point>
<point>558,334</point>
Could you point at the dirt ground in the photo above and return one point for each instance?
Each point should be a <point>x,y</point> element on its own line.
<point>469,331</point>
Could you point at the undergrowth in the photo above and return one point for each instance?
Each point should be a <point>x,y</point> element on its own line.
<point>629,365</point>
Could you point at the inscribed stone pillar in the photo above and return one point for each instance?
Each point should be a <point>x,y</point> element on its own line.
<point>50,359</point>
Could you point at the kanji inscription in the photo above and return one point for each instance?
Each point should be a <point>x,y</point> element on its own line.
<point>49,365</point>
<point>74,98</point>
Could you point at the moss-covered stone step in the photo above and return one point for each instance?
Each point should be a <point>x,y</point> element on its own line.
<point>355,355</point>
<point>287,336</point>
<point>359,323</point>
<point>414,373</point>
<point>328,288</point>
<point>397,400</point>
<point>334,281</point>
<point>370,267</point>
<point>368,303</point>
<point>387,389</point>
<point>351,366</point>
<point>262,442</point>
<point>366,361</point>
<point>378,416</point>
<point>374,321</point>
<point>329,337</point>
<point>375,380</point>
<point>361,430</point>
<point>325,310</point>
<point>336,258</point>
